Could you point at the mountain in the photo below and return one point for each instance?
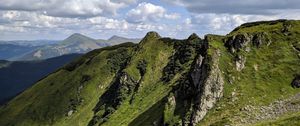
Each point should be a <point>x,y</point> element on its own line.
<point>114,40</point>
<point>19,75</point>
<point>11,51</point>
<point>75,43</point>
<point>248,77</point>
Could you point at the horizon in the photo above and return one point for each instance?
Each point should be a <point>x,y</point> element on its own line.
<point>53,20</point>
<point>67,37</point>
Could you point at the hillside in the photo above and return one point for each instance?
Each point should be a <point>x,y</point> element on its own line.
<point>16,76</point>
<point>248,77</point>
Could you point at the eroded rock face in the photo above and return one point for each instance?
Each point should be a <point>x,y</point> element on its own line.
<point>211,90</point>
<point>296,82</point>
<point>197,72</point>
<point>237,42</point>
<point>286,28</point>
<point>240,62</point>
<point>241,41</point>
<point>199,89</point>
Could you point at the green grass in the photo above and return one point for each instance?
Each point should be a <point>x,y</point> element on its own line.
<point>48,101</point>
<point>277,64</point>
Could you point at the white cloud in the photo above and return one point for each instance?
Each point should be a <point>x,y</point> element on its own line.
<point>172,16</point>
<point>249,7</point>
<point>147,12</point>
<point>103,18</point>
<point>68,8</point>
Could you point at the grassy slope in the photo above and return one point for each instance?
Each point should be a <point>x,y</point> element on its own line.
<point>277,65</point>
<point>48,101</point>
<point>156,53</point>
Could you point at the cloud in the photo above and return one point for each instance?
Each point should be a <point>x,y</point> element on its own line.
<point>56,19</point>
<point>250,7</point>
<point>147,12</point>
<point>67,8</point>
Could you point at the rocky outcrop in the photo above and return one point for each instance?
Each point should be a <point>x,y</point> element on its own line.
<point>209,87</point>
<point>286,28</point>
<point>199,89</point>
<point>239,42</point>
<point>296,82</point>
<point>240,62</point>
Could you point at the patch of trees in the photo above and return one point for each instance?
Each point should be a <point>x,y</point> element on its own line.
<point>118,59</point>
<point>142,65</point>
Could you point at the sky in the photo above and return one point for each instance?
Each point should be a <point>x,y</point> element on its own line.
<point>57,19</point>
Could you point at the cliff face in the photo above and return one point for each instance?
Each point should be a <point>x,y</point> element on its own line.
<point>199,89</point>
<point>210,90</point>
<point>238,79</point>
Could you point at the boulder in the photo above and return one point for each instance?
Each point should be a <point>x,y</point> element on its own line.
<point>296,82</point>
<point>240,62</point>
<point>237,42</point>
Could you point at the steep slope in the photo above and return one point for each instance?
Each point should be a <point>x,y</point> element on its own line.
<point>248,77</point>
<point>19,75</point>
<point>75,43</point>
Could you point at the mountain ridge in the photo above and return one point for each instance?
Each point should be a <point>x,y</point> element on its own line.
<point>75,43</point>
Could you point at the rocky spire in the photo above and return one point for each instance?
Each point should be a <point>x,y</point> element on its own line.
<point>193,36</point>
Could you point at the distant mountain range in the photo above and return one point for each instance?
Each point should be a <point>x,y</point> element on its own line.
<point>76,43</point>
<point>30,42</point>
<point>114,40</point>
<point>19,75</point>
<point>10,51</point>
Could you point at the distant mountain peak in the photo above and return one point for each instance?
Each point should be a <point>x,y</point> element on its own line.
<point>115,37</point>
<point>77,35</point>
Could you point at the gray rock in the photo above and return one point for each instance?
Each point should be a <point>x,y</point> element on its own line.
<point>70,112</point>
<point>211,91</point>
<point>296,82</point>
<point>237,42</point>
<point>240,62</point>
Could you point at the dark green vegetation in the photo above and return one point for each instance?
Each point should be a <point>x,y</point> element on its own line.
<point>243,78</point>
<point>16,76</point>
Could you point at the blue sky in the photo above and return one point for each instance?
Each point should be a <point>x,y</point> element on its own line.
<point>57,19</point>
